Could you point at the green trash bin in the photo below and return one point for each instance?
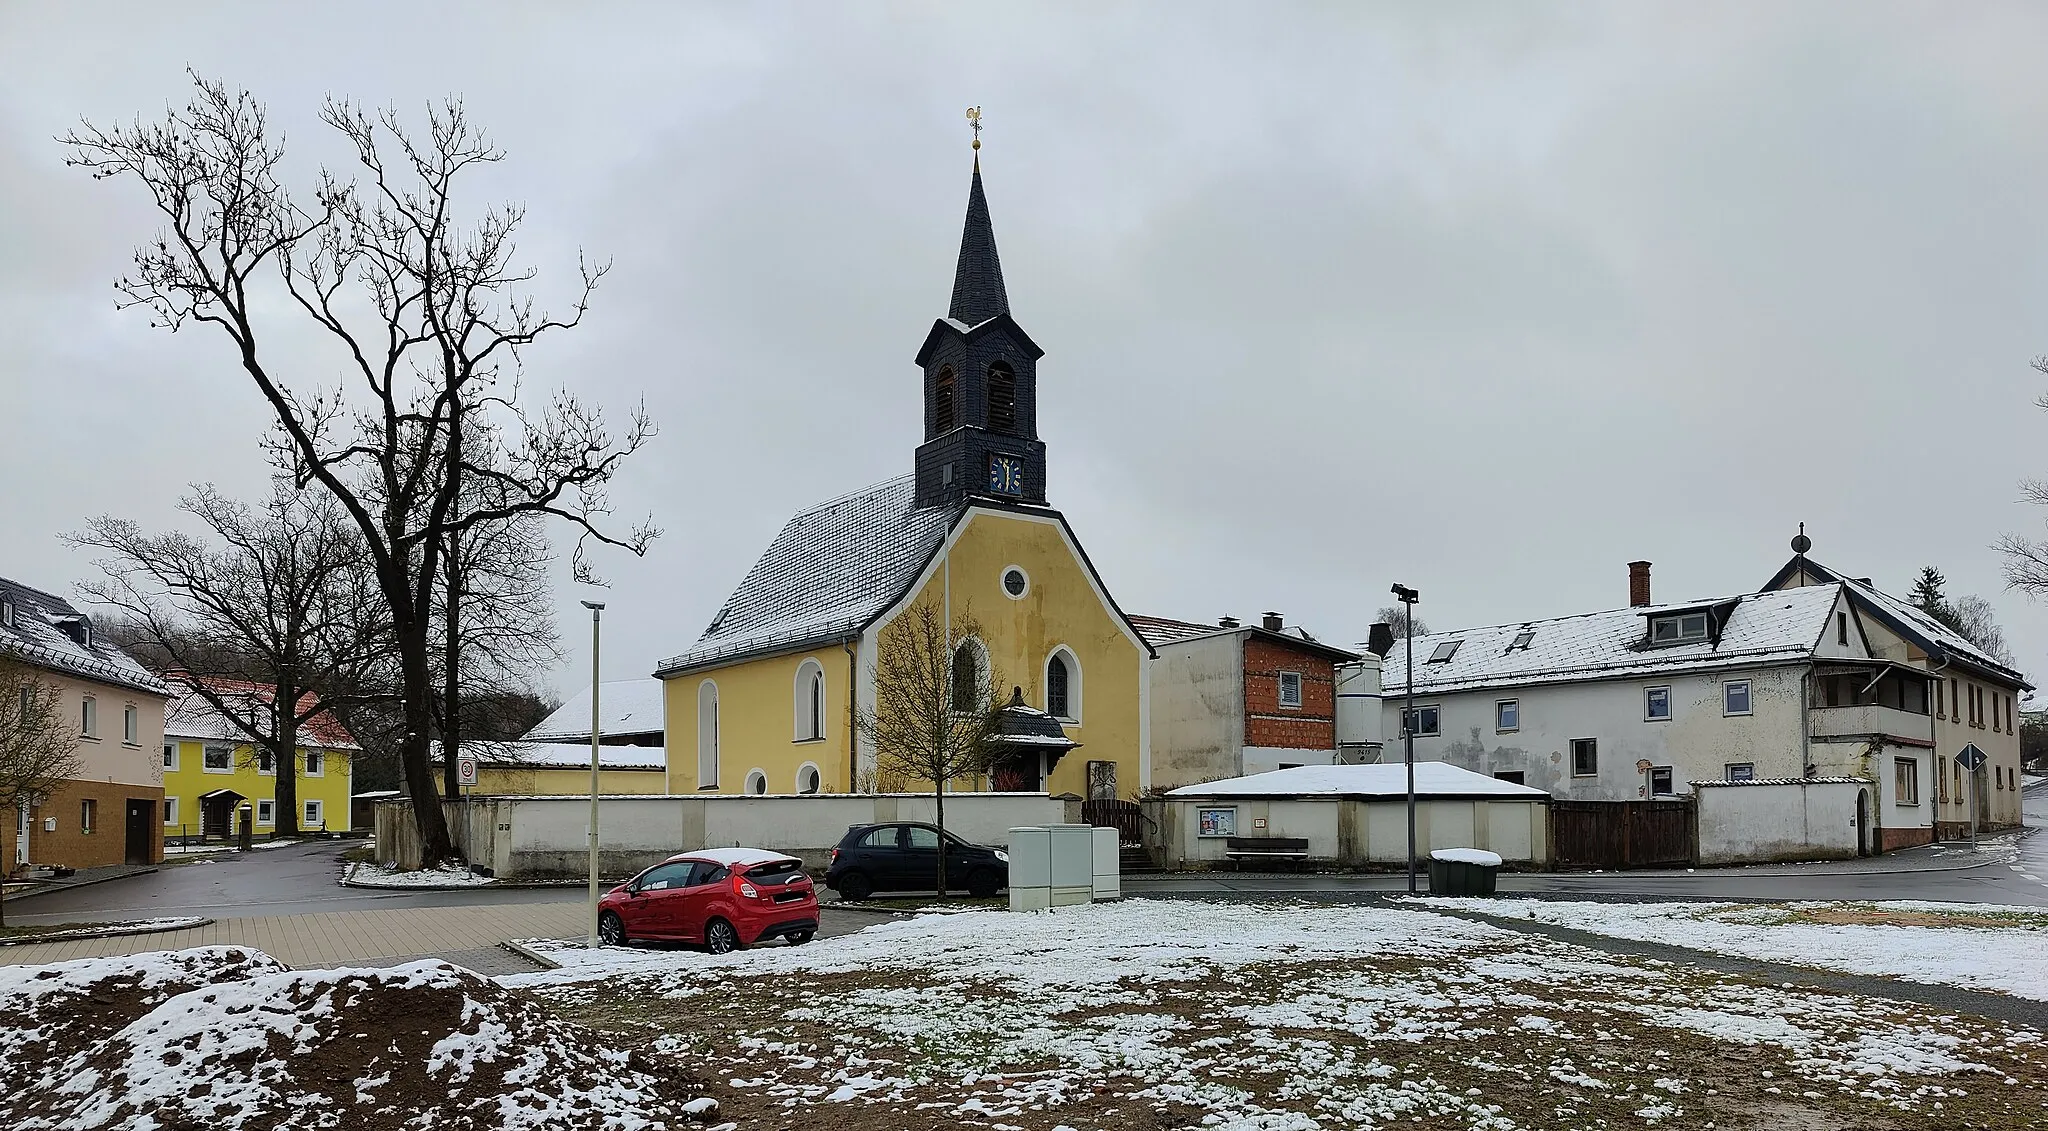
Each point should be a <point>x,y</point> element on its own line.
<point>1463,871</point>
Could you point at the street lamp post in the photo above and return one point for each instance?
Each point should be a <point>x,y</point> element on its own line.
<point>596,615</point>
<point>1408,597</point>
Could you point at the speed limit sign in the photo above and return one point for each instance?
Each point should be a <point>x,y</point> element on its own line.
<point>465,770</point>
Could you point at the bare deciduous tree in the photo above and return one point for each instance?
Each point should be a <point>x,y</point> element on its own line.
<point>38,747</point>
<point>429,318</point>
<point>1396,617</point>
<point>286,592</point>
<point>936,711</point>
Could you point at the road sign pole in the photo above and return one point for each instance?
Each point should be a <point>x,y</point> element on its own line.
<point>1973,808</point>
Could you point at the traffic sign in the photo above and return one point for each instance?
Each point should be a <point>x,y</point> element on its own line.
<point>1970,758</point>
<point>465,770</point>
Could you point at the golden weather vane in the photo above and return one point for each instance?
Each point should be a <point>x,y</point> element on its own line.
<point>974,122</point>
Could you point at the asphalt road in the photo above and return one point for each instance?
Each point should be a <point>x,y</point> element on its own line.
<point>302,879</point>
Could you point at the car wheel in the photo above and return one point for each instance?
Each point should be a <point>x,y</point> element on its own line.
<point>799,938</point>
<point>611,930</point>
<point>983,884</point>
<point>720,937</point>
<point>855,887</point>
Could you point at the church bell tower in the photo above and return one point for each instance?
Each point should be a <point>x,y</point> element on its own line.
<point>980,381</point>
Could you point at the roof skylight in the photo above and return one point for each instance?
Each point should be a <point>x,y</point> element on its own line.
<point>1444,652</point>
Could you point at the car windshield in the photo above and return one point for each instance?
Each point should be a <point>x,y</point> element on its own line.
<point>775,871</point>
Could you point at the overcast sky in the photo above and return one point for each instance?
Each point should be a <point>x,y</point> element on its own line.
<point>1488,300</point>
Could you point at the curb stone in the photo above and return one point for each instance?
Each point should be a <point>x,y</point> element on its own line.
<point>110,931</point>
<point>531,955</point>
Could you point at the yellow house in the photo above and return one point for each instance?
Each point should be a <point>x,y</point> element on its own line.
<point>765,700</point>
<point>211,770</point>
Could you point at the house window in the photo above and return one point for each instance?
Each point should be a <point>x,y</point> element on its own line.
<point>1660,781</point>
<point>218,760</point>
<point>1585,757</point>
<point>942,402</point>
<point>757,782</point>
<point>1424,723</point>
<point>1678,629</point>
<point>266,763</point>
<point>1906,780</point>
<point>1002,399</point>
<point>6,613</point>
<point>1741,771</point>
<point>707,735</point>
<point>1735,697</point>
<point>88,814</point>
<point>809,701</point>
<point>1507,716</point>
<point>1512,776</point>
<point>316,766</point>
<point>1656,704</point>
<point>1842,629</point>
<point>1290,689</point>
<point>170,810</point>
<point>1059,687</point>
<point>170,756</point>
<point>266,811</point>
<point>1997,714</point>
<point>1940,701</point>
<point>1955,700</point>
<point>808,780</point>
<point>315,816</point>
<point>1443,652</point>
<point>88,718</point>
<point>130,725</point>
<point>1521,640</point>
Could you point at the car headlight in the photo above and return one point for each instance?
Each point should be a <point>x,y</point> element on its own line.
<point>1002,856</point>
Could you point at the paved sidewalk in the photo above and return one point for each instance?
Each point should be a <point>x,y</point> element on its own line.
<point>340,938</point>
<point>84,877</point>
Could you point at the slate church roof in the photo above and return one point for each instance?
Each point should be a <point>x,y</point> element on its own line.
<point>49,633</point>
<point>831,570</point>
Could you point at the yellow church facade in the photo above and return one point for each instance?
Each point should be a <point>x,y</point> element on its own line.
<point>765,702</point>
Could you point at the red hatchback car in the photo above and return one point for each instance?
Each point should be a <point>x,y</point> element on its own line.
<point>724,898</point>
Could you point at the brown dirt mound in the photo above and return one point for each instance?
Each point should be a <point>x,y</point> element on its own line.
<point>49,1014</point>
<point>422,1045</point>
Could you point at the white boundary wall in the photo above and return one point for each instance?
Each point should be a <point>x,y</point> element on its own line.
<point>1352,832</point>
<point>1764,822</point>
<point>521,838</point>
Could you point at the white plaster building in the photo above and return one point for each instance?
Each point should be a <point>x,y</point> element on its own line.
<point>1813,677</point>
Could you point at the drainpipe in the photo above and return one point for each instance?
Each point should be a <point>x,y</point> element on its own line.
<point>852,713</point>
<point>1805,728</point>
<point>1933,737</point>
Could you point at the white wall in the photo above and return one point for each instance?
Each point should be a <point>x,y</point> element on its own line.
<point>1198,711</point>
<point>1355,833</point>
<point>1746,824</point>
<point>1698,741</point>
<point>539,837</point>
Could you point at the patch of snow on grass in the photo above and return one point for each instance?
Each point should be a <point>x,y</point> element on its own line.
<point>2004,959</point>
<point>447,876</point>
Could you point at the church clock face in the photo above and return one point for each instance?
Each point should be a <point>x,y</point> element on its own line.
<point>1005,475</point>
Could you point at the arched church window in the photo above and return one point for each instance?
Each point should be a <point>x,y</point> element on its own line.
<point>1002,399</point>
<point>1056,686</point>
<point>942,402</point>
<point>707,735</point>
<point>810,701</point>
<point>967,677</point>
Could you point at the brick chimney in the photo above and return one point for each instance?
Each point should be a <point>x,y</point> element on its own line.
<point>1271,622</point>
<point>1638,584</point>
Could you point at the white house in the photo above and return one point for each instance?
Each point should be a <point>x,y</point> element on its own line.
<point>1645,700</point>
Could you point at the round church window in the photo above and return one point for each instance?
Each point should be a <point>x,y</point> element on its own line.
<point>1014,582</point>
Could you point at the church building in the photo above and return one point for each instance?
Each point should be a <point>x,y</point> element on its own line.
<point>765,701</point>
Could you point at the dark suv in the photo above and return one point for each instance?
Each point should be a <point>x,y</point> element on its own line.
<point>905,857</point>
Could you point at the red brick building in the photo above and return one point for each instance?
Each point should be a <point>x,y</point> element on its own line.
<point>1231,699</point>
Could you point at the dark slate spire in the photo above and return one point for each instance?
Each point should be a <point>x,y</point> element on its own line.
<point>978,293</point>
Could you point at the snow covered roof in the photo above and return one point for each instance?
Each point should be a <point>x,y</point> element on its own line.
<point>1761,628</point>
<point>190,715</point>
<point>38,635</point>
<point>1937,639</point>
<point>734,856</point>
<point>561,756</point>
<point>630,706</point>
<point>1163,631</point>
<point>1782,781</point>
<point>830,571</point>
<point>1432,779</point>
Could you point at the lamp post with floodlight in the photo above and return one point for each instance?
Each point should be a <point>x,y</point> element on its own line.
<point>596,613</point>
<point>1408,597</point>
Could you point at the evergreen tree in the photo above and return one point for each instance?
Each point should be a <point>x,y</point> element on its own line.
<point>1926,592</point>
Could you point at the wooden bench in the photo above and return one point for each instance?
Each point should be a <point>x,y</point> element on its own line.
<point>1266,848</point>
